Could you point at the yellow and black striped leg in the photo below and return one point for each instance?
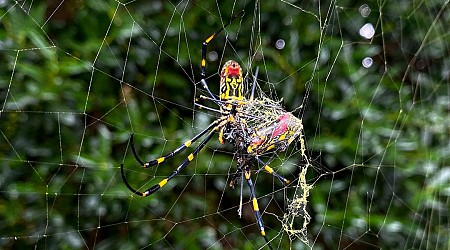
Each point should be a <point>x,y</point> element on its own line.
<point>176,151</point>
<point>205,43</point>
<point>184,164</point>
<point>258,216</point>
<point>269,170</point>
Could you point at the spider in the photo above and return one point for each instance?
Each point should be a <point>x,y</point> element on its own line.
<point>254,126</point>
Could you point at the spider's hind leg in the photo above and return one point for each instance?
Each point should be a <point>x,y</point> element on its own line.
<point>258,216</point>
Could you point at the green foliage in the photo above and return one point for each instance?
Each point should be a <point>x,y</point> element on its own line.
<point>77,79</point>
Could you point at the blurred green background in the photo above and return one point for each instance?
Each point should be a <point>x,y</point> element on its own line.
<point>78,77</point>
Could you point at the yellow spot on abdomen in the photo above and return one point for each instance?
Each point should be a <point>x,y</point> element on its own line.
<point>159,160</point>
<point>190,157</point>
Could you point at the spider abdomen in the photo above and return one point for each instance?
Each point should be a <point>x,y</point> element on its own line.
<point>275,135</point>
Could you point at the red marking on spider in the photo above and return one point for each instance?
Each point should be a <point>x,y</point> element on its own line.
<point>233,70</point>
<point>282,125</point>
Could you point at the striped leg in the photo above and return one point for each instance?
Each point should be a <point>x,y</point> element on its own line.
<point>184,164</point>
<point>205,43</point>
<point>258,216</point>
<point>272,172</point>
<point>176,151</point>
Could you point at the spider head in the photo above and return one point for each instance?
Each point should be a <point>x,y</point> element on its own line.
<point>231,81</point>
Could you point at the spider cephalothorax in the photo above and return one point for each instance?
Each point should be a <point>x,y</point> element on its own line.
<point>231,81</point>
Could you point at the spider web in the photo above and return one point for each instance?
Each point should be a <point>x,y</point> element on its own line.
<point>370,82</point>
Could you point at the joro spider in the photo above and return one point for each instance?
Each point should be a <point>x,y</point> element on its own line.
<point>254,126</point>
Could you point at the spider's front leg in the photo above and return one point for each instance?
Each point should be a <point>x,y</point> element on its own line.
<point>184,164</point>
<point>206,42</point>
<point>210,130</point>
<point>178,150</point>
